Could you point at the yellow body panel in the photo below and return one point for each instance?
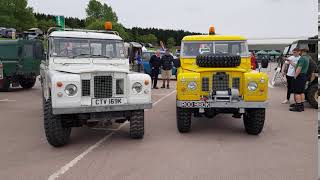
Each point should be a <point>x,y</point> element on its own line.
<point>189,71</point>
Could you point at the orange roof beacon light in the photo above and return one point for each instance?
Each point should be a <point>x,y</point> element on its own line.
<point>108,25</point>
<point>212,31</point>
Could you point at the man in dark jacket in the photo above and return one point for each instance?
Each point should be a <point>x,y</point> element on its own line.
<point>166,71</point>
<point>155,65</point>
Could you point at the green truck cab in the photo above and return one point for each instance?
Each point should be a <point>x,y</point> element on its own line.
<point>20,63</point>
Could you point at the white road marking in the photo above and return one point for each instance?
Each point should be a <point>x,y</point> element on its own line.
<point>7,100</point>
<point>270,85</point>
<point>73,162</point>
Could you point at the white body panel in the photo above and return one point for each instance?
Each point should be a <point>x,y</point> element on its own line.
<point>73,71</point>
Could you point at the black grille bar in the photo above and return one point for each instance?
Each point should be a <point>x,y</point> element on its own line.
<point>236,83</point>
<point>103,86</point>
<point>120,86</point>
<point>205,84</point>
<point>220,82</point>
<point>85,86</point>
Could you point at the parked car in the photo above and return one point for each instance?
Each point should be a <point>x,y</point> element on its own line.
<point>83,85</point>
<point>146,55</point>
<point>20,61</point>
<point>9,32</point>
<point>2,31</point>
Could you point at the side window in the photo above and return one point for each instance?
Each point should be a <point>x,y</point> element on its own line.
<point>28,51</point>
<point>38,51</point>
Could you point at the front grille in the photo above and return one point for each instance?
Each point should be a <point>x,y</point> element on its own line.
<point>236,83</point>
<point>103,86</point>
<point>120,86</point>
<point>85,86</point>
<point>205,84</point>
<point>220,82</point>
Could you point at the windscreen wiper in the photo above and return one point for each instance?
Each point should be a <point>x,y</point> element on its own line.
<point>79,55</point>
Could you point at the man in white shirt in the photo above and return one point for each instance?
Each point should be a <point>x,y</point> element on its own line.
<point>291,61</point>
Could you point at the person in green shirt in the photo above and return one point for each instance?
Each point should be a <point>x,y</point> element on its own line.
<point>299,82</point>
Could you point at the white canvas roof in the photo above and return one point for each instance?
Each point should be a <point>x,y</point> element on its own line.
<point>80,34</point>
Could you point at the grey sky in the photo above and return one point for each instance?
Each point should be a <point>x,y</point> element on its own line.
<point>251,18</point>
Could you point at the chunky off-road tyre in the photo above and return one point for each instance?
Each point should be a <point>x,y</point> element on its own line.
<point>209,113</point>
<point>5,86</point>
<point>254,120</point>
<point>137,124</point>
<point>56,134</point>
<point>183,119</point>
<point>218,60</point>
<point>27,83</point>
<point>312,95</point>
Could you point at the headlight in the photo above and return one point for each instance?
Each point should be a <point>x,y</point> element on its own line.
<point>71,90</point>
<point>137,87</point>
<point>252,86</point>
<point>192,85</point>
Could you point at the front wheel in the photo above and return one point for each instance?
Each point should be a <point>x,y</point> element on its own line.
<point>137,124</point>
<point>254,120</point>
<point>56,134</point>
<point>183,119</point>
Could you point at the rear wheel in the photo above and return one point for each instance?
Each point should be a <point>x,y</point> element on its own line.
<point>254,121</point>
<point>5,85</point>
<point>137,124</point>
<point>27,83</point>
<point>183,119</point>
<point>312,96</point>
<point>56,134</point>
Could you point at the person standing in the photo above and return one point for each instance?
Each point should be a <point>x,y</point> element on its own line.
<point>155,66</point>
<point>166,71</point>
<point>299,82</point>
<point>253,61</point>
<point>290,62</point>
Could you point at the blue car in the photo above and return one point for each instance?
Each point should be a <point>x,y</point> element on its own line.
<point>146,55</point>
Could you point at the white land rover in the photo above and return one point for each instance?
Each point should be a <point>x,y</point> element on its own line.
<point>86,81</point>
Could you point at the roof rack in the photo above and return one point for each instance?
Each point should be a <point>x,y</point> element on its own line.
<point>95,31</point>
<point>51,29</point>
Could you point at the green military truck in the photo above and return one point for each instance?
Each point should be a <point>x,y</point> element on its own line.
<point>20,63</point>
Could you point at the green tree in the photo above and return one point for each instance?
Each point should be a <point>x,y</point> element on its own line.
<point>45,24</point>
<point>171,42</point>
<point>99,25</point>
<point>150,38</point>
<point>16,14</point>
<point>102,12</point>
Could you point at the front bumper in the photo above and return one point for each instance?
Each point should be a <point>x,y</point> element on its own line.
<point>94,109</point>
<point>214,104</point>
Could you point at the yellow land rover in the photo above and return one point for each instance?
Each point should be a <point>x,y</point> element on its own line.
<point>215,76</point>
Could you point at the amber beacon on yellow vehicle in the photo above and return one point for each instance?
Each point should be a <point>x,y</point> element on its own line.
<point>215,76</point>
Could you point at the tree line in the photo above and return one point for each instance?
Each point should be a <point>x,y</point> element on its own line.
<point>16,14</point>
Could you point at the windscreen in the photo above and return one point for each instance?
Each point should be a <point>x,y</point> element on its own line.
<point>193,49</point>
<point>84,48</point>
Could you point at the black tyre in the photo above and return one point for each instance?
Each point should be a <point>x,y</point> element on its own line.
<point>312,95</point>
<point>183,119</point>
<point>218,60</point>
<point>56,134</point>
<point>254,121</point>
<point>209,113</point>
<point>5,86</point>
<point>137,124</point>
<point>27,83</point>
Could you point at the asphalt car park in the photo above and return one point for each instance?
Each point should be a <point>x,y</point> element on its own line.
<point>215,148</point>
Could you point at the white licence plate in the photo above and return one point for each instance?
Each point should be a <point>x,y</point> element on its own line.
<point>108,101</point>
